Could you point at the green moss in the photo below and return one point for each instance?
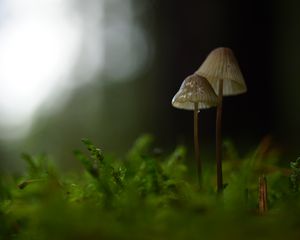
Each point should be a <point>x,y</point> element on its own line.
<point>148,195</point>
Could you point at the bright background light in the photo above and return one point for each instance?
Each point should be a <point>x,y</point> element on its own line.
<point>39,46</point>
<point>48,48</point>
<point>61,62</point>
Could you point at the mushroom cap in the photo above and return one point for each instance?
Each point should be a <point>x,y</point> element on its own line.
<point>195,89</point>
<point>222,64</point>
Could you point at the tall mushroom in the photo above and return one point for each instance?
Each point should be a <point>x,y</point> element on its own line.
<point>222,71</point>
<point>195,93</point>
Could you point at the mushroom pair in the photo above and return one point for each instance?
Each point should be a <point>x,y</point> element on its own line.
<point>219,74</point>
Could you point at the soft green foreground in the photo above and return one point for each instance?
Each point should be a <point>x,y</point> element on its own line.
<point>150,196</point>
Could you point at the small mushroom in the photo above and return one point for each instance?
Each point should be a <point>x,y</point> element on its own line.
<point>195,93</point>
<point>222,71</point>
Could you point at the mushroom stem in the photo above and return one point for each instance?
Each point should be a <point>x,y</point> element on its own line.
<point>196,144</point>
<point>219,138</point>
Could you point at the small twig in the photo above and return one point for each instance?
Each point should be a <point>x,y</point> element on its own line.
<point>262,195</point>
<point>23,184</point>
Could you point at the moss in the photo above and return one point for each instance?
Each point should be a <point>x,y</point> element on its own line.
<point>147,195</point>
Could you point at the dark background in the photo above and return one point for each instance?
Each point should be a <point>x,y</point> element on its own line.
<point>265,37</point>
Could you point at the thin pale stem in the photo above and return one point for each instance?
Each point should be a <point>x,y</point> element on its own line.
<point>196,144</point>
<point>219,138</point>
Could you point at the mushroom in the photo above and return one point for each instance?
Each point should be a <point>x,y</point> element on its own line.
<point>222,71</point>
<point>195,93</point>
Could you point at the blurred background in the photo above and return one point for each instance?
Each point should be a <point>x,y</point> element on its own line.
<point>108,69</point>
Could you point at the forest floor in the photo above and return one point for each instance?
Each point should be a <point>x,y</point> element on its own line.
<point>152,195</point>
